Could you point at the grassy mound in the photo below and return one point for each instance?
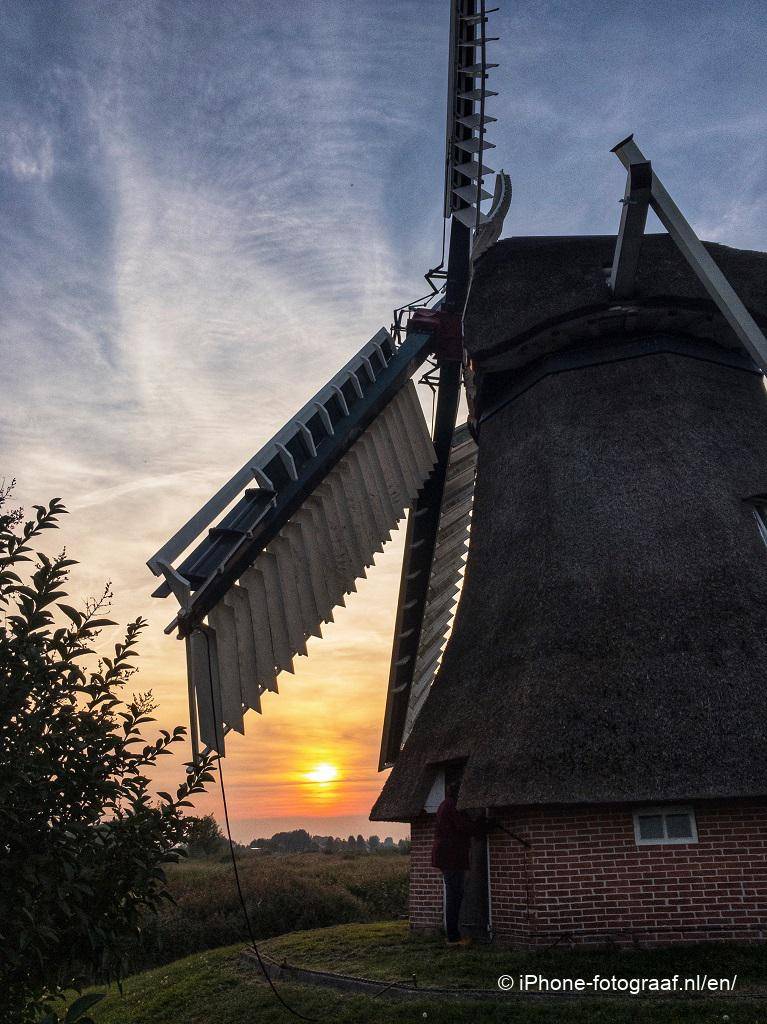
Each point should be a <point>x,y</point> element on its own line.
<point>388,951</point>
<point>217,988</point>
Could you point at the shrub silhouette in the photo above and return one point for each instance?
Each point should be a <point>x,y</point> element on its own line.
<point>82,844</point>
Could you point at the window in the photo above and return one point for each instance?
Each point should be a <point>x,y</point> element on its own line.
<point>656,826</point>
<point>446,774</point>
<point>436,793</point>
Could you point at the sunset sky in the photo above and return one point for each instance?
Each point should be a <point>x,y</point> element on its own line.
<point>206,208</point>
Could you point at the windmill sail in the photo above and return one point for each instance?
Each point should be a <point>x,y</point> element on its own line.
<point>435,543</point>
<point>411,675</point>
<point>332,485</point>
<point>446,570</point>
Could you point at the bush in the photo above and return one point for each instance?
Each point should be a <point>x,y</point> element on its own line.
<point>83,847</point>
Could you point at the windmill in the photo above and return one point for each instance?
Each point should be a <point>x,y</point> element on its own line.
<point>603,681</point>
<point>260,567</point>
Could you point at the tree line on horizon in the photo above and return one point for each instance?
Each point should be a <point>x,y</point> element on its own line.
<point>300,841</point>
<point>204,838</point>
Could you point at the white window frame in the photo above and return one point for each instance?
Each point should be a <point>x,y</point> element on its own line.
<point>663,812</point>
<point>436,793</point>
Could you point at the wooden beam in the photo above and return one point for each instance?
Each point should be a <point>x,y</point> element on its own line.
<point>701,262</point>
<point>628,246</point>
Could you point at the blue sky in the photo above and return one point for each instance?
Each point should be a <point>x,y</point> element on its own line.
<point>207,207</point>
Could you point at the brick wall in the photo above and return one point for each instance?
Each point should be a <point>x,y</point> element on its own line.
<point>425,900</point>
<point>584,879</point>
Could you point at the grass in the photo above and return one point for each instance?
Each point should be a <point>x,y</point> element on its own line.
<point>215,987</point>
<point>283,893</point>
<point>388,951</point>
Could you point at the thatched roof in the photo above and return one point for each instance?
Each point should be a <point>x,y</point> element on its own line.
<point>611,640</point>
<point>525,288</point>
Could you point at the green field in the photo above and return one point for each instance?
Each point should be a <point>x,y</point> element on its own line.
<point>216,987</point>
<point>283,893</point>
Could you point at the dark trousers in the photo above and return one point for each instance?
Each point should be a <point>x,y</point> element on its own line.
<point>454,885</point>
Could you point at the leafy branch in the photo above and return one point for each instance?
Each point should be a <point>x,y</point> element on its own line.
<point>82,839</point>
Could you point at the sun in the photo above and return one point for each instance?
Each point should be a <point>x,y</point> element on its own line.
<point>323,773</point>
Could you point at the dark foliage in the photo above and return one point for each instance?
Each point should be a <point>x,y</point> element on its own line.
<point>203,836</point>
<point>82,846</point>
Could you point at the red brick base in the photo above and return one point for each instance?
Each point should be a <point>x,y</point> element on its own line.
<point>584,879</point>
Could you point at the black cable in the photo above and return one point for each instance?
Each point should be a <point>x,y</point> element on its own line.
<point>243,905</point>
<point>419,302</point>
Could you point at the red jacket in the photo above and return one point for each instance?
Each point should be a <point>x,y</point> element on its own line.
<point>452,837</point>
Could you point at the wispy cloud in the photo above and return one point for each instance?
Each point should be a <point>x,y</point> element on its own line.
<point>29,153</point>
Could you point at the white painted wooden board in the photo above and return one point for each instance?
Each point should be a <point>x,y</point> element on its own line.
<point>203,662</point>
<point>221,619</point>
<point>237,599</point>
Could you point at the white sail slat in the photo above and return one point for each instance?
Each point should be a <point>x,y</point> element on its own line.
<point>202,664</point>
<point>267,664</point>
<point>387,495</point>
<point>238,601</point>
<point>280,549</point>
<point>357,513</point>
<point>303,536</point>
<point>312,511</point>
<point>394,418</point>
<point>418,428</point>
<point>296,567</point>
<point>345,532</point>
<point>394,474</point>
<point>270,592</point>
<point>366,473</point>
<point>310,610</point>
<point>393,434</point>
<point>221,619</point>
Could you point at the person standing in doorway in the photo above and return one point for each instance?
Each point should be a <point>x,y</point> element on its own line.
<point>450,855</point>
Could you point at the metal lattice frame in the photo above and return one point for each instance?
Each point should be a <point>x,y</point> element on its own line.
<point>467,119</point>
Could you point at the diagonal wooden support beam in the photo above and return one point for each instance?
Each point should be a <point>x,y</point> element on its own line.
<point>628,246</point>
<point>693,250</point>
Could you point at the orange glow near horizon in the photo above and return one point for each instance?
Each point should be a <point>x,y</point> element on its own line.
<point>311,759</point>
